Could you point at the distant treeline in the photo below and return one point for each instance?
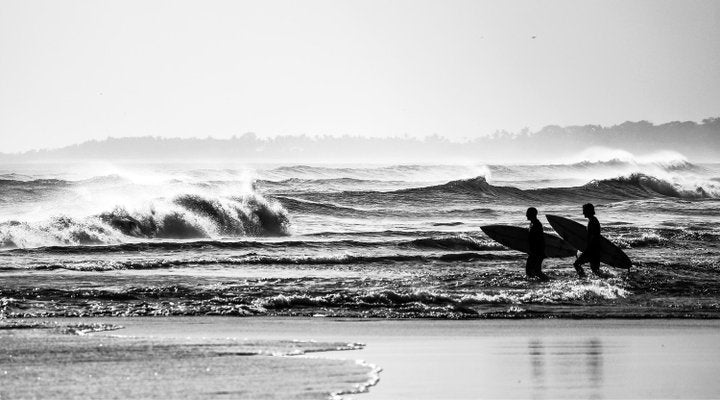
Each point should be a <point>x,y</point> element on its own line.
<point>697,141</point>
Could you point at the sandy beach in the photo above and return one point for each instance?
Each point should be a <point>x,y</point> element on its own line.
<point>420,359</point>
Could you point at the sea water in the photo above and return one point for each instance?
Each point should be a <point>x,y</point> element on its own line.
<point>144,238</point>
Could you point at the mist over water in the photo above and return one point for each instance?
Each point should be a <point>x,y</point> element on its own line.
<point>353,240</point>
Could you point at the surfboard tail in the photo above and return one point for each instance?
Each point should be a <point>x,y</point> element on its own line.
<point>575,233</point>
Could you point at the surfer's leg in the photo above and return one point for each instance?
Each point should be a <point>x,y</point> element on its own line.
<point>529,267</point>
<point>541,275</point>
<point>537,269</point>
<point>595,268</point>
<point>578,264</point>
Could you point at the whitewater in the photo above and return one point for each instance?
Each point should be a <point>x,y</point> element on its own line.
<point>149,238</point>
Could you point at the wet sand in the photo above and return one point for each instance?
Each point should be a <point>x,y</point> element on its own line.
<point>444,359</point>
<point>49,362</point>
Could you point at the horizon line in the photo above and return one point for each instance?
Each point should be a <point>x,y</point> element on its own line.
<point>405,136</point>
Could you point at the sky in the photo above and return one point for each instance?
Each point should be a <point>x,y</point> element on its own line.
<point>72,71</point>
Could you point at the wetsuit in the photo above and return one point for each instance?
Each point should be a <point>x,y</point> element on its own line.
<point>536,237</point>
<point>592,251</point>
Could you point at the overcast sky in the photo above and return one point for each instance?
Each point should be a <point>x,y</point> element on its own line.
<point>77,70</point>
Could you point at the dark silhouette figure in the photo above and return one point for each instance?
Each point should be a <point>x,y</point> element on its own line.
<point>592,251</point>
<point>536,237</point>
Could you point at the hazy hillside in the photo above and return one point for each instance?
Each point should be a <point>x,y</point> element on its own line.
<point>697,141</point>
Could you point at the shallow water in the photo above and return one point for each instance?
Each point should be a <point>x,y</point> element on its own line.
<point>359,241</point>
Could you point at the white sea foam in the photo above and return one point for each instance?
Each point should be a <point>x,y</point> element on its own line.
<point>373,379</point>
<point>554,292</point>
<point>182,216</point>
<point>666,158</point>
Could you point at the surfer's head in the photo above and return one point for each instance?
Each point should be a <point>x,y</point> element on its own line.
<point>588,210</point>
<point>531,213</point>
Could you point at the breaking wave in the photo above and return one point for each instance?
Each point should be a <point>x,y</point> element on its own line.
<point>183,217</point>
<point>670,160</point>
<point>634,186</point>
<point>640,185</point>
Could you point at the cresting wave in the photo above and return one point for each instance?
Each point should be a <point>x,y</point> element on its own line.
<point>634,186</point>
<point>183,216</point>
<point>606,156</point>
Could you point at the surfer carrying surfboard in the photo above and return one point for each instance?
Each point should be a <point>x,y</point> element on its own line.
<point>536,239</point>
<point>591,253</point>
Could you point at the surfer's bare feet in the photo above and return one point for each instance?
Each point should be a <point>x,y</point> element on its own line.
<point>542,277</point>
<point>580,271</point>
<point>600,274</point>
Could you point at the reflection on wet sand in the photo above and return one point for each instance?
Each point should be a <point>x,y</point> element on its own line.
<point>567,367</point>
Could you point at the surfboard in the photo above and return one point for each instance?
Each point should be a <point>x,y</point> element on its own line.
<point>516,238</point>
<point>576,234</point>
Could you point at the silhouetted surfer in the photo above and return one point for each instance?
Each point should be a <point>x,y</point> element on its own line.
<point>536,237</point>
<point>592,251</point>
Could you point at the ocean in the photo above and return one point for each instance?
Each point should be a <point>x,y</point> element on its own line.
<point>389,241</point>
